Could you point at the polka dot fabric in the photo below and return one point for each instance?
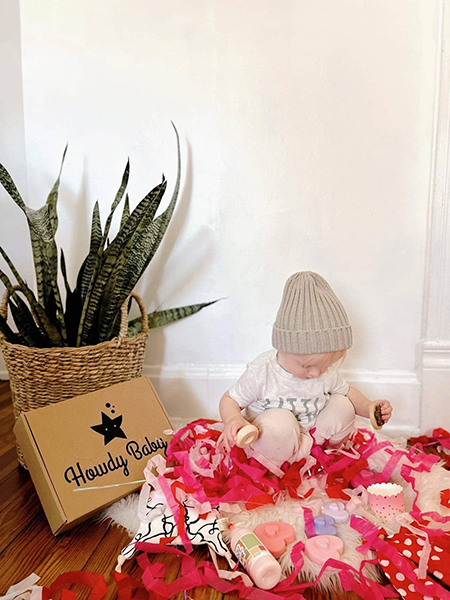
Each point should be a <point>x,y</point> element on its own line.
<point>412,546</point>
<point>401,568</point>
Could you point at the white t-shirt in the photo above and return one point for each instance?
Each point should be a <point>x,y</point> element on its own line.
<point>265,384</point>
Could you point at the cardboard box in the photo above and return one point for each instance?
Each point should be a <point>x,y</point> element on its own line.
<point>95,440</point>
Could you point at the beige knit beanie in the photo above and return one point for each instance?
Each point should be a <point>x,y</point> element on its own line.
<point>310,320</point>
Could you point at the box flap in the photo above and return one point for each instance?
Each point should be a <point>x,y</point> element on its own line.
<point>41,479</point>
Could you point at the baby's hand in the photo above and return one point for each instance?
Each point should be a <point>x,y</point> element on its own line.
<point>228,436</point>
<point>386,409</point>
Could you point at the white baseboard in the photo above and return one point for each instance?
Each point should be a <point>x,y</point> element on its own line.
<point>192,392</point>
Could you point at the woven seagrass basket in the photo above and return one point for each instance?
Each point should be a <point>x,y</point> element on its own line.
<point>42,376</point>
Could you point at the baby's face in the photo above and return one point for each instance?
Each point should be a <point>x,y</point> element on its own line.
<point>307,366</point>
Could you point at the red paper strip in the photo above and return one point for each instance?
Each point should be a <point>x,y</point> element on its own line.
<point>91,580</point>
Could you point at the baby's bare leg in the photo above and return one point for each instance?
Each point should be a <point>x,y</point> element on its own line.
<point>281,438</point>
<point>335,422</point>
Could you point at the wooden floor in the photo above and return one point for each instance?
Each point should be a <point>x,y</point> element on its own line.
<point>28,546</point>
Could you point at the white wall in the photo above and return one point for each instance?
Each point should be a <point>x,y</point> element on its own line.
<point>13,229</point>
<point>307,143</point>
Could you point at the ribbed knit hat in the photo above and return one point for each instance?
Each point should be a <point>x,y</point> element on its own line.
<point>311,319</point>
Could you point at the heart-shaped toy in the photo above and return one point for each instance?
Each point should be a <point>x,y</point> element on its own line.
<point>324,525</point>
<point>275,536</point>
<point>322,547</point>
<point>337,511</point>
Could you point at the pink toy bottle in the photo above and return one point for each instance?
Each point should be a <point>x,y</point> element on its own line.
<point>262,567</point>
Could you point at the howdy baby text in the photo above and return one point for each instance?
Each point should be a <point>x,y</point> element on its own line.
<point>112,463</point>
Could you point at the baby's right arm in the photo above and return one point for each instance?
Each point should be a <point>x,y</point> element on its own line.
<point>231,415</point>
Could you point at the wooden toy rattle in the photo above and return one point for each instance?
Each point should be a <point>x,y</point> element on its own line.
<point>376,418</point>
<point>246,436</point>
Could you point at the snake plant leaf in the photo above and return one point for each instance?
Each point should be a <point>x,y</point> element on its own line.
<point>163,317</point>
<point>26,325</point>
<point>146,209</point>
<point>9,185</point>
<point>29,333</point>
<point>52,199</point>
<point>6,330</point>
<point>117,199</point>
<point>50,330</point>
<point>118,284</point>
<point>22,318</point>
<point>73,306</point>
<point>90,304</point>
<point>45,255</point>
<point>140,251</point>
<point>87,268</point>
<point>115,253</point>
<point>136,257</point>
<point>42,223</point>
<point>125,212</point>
<point>64,272</point>
<point>44,250</point>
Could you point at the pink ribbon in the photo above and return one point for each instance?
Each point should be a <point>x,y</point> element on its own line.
<point>308,518</point>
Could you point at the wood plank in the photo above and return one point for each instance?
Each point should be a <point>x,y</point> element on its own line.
<point>7,442</point>
<point>6,424</point>
<point>18,514</point>
<point>26,552</point>
<point>12,485</point>
<point>71,550</point>
<point>52,555</point>
<point>6,407</point>
<point>8,461</point>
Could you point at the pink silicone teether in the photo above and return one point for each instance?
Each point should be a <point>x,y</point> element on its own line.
<point>322,547</point>
<point>337,511</point>
<point>324,525</point>
<point>275,536</point>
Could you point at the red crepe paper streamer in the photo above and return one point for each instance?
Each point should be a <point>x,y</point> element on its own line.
<point>126,585</point>
<point>245,480</point>
<point>95,581</point>
<point>445,498</point>
<point>439,437</point>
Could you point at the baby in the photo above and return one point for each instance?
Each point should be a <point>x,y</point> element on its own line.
<point>296,391</point>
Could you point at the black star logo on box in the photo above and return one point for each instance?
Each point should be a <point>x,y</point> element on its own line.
<point>109,428</point>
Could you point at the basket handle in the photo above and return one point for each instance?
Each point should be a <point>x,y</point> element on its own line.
<point>4,305</point>
<point>5,299</point>
<point>124,317</point>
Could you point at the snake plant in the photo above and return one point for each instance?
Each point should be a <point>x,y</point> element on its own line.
<point>110,271</point>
